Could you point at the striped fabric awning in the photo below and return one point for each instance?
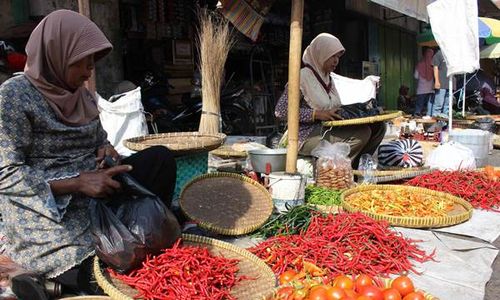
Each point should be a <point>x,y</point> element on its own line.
<point>246,15</point>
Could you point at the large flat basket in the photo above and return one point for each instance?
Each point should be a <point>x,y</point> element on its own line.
<point>226,203</point>
<point>181,143</point>
<point>259,287</point>
<point>461,212</point>
<point>386,116</point>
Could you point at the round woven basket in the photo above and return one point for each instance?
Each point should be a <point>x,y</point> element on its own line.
<point>226,203</point>
<point>396,174</point>
<point>260,286</point>
<point>496,141</point>
<point>496,118</point>
<point>386,282</point>
<point>328,209</point>
<point>180,143</point>
<point>387,115</point>
<point>462,210</point>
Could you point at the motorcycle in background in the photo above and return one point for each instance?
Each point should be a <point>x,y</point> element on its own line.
<point>168,117</point>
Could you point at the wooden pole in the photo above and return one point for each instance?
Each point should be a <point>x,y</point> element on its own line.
<point>294,60</point>
<point>84,9</point>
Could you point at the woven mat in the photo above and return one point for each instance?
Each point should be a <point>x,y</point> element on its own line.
<point>249,265</point>
<point>226,203</point>
<point>462,210</point>
<point>181,143</point>
<point>386,116</point>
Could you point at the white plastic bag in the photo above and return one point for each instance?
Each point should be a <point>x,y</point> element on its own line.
<point>451,156</point>
<point>122,117</point>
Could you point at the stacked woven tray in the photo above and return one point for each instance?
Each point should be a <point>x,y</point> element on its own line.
<point>461,212</point>
<point>260,286</point>
<point>395,174</point>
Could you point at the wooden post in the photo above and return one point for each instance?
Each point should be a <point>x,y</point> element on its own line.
<point>294,60</point>
<point>84,9</point>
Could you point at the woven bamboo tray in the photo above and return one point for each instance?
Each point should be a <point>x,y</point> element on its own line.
<point>226,203</point>
<point>249,265</point>
<point>387,115</point>
<point>386,282</point>
<point>396,174</point>
<point>496,118</point>
<point>328,209</point>
<point>226,151</point>
<point>496,141</point>
<point>462,210</point>
<point>87,298</point>
<point>180,143</point>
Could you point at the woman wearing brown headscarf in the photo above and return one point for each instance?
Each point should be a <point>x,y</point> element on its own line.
<point>320,101</point>
<point>51,146</point>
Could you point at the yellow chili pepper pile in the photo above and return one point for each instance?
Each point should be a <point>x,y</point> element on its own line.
<point>401,203</point>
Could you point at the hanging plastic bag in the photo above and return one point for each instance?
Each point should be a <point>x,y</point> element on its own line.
<point>451,156</point>
<point>131,225</point>
<point>333,167</point>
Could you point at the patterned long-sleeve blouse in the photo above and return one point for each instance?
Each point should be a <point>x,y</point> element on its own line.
<point>306,122</point>
<point>47,234</point>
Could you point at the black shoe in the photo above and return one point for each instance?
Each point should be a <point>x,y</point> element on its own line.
<point>27,287</point>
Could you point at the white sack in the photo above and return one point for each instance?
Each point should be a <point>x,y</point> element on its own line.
<point>123,119</point>
<point>451,156</point>
<point>354,90</point>
<point>455,28</point>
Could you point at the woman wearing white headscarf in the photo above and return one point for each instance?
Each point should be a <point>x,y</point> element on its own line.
<point>320,101</point>
<point>51,146</point>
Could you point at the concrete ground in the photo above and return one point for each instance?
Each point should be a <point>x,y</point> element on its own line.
<point>493,286</point>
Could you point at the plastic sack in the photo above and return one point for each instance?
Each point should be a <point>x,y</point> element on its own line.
<point>122,117</point>
<point>333,167</point>
<point>405,153</point>
<point>358,110</point>
<point>131,225</point>
<point>451,156</point>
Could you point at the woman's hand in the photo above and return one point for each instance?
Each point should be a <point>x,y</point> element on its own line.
<point>106,150</point>
<point>327,115</point>
<point>99,183</point>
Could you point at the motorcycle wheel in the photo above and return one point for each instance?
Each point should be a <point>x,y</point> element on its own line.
<point>236,121</point>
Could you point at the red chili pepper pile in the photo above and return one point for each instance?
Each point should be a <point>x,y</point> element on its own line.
<point>184,272</point>
<point>343,244</point>
<point>472,186</point>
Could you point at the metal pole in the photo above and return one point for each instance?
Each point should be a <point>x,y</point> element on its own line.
<point>84,9</point>
<point>294,60</point>
<point>463,99</point>
<point>450,105</point>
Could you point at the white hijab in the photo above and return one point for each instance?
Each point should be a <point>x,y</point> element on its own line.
<point>316,54</point>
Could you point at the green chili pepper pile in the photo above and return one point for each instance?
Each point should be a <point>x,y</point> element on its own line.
<point>293,221</point>
<point>322,196</point>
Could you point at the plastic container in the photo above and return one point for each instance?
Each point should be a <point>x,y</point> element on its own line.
<point>287,190</point>
<point>476,140</point>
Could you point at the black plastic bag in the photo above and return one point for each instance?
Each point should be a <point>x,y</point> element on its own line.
<point>131,225</point>
<point>359,110</point>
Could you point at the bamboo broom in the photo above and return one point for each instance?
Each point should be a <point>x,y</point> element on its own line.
<point>214,42</point>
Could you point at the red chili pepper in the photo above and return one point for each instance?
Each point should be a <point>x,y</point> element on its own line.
<point>184,272</point>
<point>344,244</point>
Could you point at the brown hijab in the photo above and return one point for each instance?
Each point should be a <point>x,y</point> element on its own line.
<point>62,38</point>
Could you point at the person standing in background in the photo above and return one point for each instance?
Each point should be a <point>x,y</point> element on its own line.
<point>441,85</point>
<point>424,74</point>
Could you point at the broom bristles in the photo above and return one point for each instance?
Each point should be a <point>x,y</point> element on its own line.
<point>214,42</point>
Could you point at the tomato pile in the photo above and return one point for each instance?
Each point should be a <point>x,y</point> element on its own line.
<point>298,286</point>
